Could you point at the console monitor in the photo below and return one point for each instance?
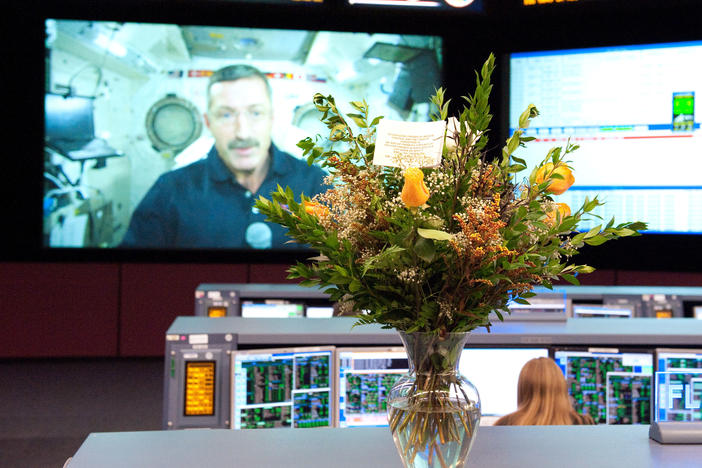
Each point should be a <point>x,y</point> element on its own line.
<point>601,311</point>
<point>366,375</point>
<point>286,387</point>
<point>628,398</point>
<point>587,373</point>
<point>679,395</point>
<point>678,359</point>
<point>271,309</point>
<point>495,373</point>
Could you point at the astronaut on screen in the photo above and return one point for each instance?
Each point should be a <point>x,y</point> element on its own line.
<point>209,203</point>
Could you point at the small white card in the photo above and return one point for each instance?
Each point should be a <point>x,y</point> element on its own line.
<point>409,144</point>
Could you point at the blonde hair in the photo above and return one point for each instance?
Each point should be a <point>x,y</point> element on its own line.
<point>542,397</point>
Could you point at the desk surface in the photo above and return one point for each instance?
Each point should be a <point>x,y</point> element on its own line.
<point>495,447</point>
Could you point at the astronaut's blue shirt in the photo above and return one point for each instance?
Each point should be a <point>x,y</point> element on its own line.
<point>203,206</point>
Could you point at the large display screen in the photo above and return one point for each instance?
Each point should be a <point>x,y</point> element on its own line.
<point>634,110</point>
<point>132,125</point>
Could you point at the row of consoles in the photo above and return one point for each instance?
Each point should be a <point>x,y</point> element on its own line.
<point>561,303</point>
<point>348,387</point>
<point>215,379</point>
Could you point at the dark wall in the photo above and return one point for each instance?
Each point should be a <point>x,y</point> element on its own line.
<point>109,310</point>
<point>104,309</point>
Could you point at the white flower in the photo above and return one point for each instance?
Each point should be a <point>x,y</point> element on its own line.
<point>453,132</point>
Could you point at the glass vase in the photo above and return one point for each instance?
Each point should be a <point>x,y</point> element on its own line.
<point>433,411</point>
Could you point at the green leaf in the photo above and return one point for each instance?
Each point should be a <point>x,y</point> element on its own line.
<point>591,205</point>
<point>519,160</point>
<point>424,248</point>
<point>376,121</point>
<point>434,234</point>
<point>597,240</point>
<point>309,283</point>
<point>358,105</point>
<point>624,232</point>
<point>578,238</point>
<point>571,279</point>
<point>513,142</point>
<point>593,232</point>
<point>360,121</point>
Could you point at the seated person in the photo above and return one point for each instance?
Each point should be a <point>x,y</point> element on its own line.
<point>542,398</point>
<point>209,203</point>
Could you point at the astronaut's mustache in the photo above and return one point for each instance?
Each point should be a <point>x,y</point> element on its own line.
<point>245,143</point>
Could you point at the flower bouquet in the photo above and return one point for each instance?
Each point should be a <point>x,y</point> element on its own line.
<point>435,250</point>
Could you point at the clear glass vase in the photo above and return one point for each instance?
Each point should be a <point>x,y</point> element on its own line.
<point>433,411</point>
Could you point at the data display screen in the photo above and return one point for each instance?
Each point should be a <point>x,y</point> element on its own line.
<point>590,311</point>
<point>216,311</point>
<point>629,108</point>
<point>366,376</point>
<point>679,395</point>
<point>271,309</point>
<point>678,359</point>
<point>199,388</point>
<point>289,388</point>
<point>628,398</point>
<point>611,386</point>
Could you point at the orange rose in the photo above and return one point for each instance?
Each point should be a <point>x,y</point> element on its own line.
<point>414,192</point>
<point>557,186</point>
<point>552,216</point>
<point>315,209</point>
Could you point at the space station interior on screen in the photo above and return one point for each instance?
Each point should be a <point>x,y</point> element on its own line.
<point>141,150</point>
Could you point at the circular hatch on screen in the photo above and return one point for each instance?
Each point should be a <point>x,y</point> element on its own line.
<point>173,123</point>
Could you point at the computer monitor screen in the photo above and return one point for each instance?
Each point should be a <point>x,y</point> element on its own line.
<point>678,359</point>
<point>495,373</point>
<point>148,86</point>
<point>628,398</point>
<point>271,309</point>
<point>290,388</point>
<point>366,375</point>
<point>68,118</point>
<point>319,311</point>
<point>587,375</point>
<point>679,395</point>
<point>631,108</point>
<point>601,311</point>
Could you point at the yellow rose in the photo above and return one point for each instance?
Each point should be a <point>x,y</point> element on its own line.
<point>414,192</point>
<point>315,209</point>
<point>552,216</point>
<point>557,186</point>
